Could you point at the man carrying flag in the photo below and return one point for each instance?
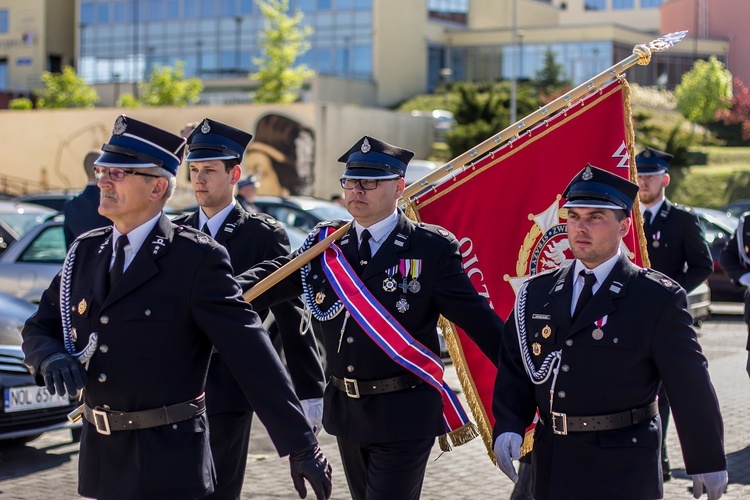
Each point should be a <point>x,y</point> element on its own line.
<point>377,295</point>
<point>588,344</point>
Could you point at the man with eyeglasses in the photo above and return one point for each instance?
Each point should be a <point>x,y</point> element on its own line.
<point>215,152</point>
<point>376,296</point>
<point>132,319</point>
<point>82,212</point>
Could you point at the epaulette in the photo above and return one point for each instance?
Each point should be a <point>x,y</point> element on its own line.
<point>664,280</point>
<point>543,273</point>
<point>265,219</point>
<point>331,223</point>
<point>684,208</point>
<point>432,228</point>
<point>99,231</point>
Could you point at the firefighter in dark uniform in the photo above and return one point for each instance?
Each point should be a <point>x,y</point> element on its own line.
<point>132,319</point>
<point>676,246</point>
<point>735,262</point>
<point>588,344</point>
<point>214,157</point>
<point>246,191</point>
<point>82,212</point>
<point>385,417</point>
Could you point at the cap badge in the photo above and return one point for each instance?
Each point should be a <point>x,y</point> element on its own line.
<point>120,126</point>
<point>365,146</point>
<point>646,153</point>
<point>587,174</point>
<point>205,128</point>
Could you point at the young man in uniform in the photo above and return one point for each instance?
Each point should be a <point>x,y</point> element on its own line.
<point>588,345</point>
<point>214,157</point>
<point>376,296</point>
<point>132,319</point>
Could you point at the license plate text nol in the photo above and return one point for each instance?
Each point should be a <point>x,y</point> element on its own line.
<point>31,398</point>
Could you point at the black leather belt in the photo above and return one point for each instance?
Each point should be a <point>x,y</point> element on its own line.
<point>562,423</point>
<point>106,421</point>
<point>356,388</point>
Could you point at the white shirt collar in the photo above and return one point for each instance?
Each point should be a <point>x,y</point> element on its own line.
<point>136,237</point>
<point>601,271</point>
<point>215,222</point>
<point>381,229</point>
<point>654,208</point>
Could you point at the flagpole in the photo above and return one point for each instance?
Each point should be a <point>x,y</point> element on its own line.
<point>641,55</point>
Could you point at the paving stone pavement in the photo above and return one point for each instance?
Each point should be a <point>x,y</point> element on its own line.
<point>47,467</point>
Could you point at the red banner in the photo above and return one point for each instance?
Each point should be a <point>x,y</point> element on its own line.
<point>505,210</point>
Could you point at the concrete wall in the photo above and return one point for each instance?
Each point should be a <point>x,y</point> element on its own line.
<point>45,148</point>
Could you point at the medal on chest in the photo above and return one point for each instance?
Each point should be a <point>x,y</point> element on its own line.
<point>410,268</point>
<point>598,333</point>
<point>389,283</point>
<point>655,239</point>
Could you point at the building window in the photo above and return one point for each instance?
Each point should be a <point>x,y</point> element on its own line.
<point>173,9</point>
<point>4,22</point>
<point>649,4</point>
<point>4,71</point>
<point>87,13</point>
<point>623,4</point>
<point>120,13</point>
<point>595,4</point>
<point>448,10</point>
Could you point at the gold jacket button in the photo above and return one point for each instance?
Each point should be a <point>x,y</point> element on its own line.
<point>104,348</point>
<point>349,340</point>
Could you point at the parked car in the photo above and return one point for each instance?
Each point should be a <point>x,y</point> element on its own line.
<point>718,227</point>
<point>17,218</point>
<point>302,212</point>
<point>737,208</point>
<point>28,410</point>
<point>50,199</point>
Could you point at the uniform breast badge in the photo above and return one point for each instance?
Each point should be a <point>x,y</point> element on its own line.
<point>655,237</point>
<point>546,331</point>
<point>389,283</point>
<point>416,270</point>
<point>402,305</point>
<point>598,333</point>
<point>320,297</point>
<point>536,348</point>
<point>82,306</point>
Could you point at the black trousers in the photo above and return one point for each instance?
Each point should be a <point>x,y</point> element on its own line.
<point>230,437</point>
<point>385,471</point>
<point>664,413</point>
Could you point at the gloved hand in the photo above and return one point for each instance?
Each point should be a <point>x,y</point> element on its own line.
<point>507,447</point>
<point>311,464</point>
<point>715,483</point>
<point>62,371</point>
<point>313,409</point>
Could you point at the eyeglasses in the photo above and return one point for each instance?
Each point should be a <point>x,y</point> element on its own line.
<point>366,184</point>
<point>118,174</point>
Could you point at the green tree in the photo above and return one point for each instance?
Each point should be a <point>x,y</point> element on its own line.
<point>65,90</point>
<point>704,90</point>
<point>282,41</point>
<point>551,79</point>
<point>166,86</point>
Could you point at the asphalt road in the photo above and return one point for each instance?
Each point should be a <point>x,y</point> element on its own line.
<point>47,467</point>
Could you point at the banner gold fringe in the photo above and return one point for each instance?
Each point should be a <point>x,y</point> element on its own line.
<point>528,442</point>
<point>460,436</point>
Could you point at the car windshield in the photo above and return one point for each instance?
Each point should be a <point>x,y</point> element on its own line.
<point>22,220</point>
<point>323,210</point>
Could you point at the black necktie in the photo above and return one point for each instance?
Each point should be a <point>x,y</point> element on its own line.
<point>118,267</point>
<point>205,229</point>
<point>364,249</point>
<point>589,279</point>
<point>647,223</point>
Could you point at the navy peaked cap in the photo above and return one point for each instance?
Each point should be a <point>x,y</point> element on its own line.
<point>593,187</point>
<point>247,181</point>
<point>212,140</point>
<point>135,144</point>
<point>652,161</point>
<point>371,158</point>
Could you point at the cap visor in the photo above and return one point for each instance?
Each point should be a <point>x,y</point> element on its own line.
<point>208,155</point>
<point>117,160</point>
<point>368,173</point>
<point>592,204</point>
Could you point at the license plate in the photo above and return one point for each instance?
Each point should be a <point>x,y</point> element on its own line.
<point>32,398</point>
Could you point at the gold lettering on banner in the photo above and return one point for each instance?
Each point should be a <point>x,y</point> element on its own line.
<point>470,264</point>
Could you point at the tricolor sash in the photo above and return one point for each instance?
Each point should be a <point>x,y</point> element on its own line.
<point>394,340</point>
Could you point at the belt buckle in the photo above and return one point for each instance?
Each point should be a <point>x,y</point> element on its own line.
<point>351,388</point>
<point>101,422</point>
<point>563,426</point>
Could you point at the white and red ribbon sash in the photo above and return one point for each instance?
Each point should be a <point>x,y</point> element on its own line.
<point>387,333</point>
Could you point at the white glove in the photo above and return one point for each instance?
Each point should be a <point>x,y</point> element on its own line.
<point>313,409</point>
<point>745,279</point>
<point>715,483</point>
<point>507,447</point>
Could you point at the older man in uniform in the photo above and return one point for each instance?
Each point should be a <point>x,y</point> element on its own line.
<point>132,319</point>
<point>735,262</point>
<point>676,246</point>
<point>214,157</point>
<point>588,344</point>
<point>82,212</point>
<point>377,295</point>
